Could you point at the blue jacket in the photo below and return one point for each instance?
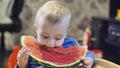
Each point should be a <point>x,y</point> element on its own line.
<point>67,42</point>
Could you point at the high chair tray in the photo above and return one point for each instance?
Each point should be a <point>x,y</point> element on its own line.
<point>103,63</point>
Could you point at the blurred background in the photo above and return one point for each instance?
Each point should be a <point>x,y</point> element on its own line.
<point>17,19</point>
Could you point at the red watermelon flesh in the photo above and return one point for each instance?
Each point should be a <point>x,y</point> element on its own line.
<point>56,55</point>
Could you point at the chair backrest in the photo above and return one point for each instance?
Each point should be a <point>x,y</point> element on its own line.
<point>12,59</point>
<point>86,38</point>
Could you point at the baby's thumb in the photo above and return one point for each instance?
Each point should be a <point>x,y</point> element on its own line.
<point>82,58</point>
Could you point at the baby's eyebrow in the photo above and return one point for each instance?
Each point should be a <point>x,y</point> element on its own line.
<point>44,33</point>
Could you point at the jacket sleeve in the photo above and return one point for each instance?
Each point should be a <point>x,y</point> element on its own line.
<point>90,54</point>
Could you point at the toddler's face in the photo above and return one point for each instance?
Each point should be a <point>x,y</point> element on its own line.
<point>51,35</point>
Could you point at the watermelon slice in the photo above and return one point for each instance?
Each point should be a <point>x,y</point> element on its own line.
<point>56,57</point>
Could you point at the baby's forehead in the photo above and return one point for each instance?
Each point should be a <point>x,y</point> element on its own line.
<point>44,20</point>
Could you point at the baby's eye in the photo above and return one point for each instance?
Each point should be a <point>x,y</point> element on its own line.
<point>45,37</point>
<point>57,38</point>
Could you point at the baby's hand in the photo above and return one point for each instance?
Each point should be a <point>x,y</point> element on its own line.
<point>87,62</point>
<point>22,57</point>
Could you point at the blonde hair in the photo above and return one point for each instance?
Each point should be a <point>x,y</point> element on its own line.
<point>53,11</point>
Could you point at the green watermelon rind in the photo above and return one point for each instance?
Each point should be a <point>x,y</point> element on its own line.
<point>48,64</point>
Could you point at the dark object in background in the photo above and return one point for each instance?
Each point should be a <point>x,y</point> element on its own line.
<point>114,5</point>
<point>114,32</point>
<point>15,7</point>
<point>100,31</point>
<point>114,26</point>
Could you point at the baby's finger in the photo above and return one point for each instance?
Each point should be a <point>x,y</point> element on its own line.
<point>87,66</point>
<point>82,58</point>
<point>26,56</point>
<point>26,51</point>
<point>20,52</point>
<point>86,62</point>
<point>23,52</point>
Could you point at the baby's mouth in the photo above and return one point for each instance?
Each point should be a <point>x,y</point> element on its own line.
<point>47,46</point>
<point>50,46</point>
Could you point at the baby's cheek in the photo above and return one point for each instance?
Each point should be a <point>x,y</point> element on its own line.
<point>59,43</point>
<point>42,42</point>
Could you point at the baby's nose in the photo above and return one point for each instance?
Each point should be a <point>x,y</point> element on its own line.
<point>51,43</point>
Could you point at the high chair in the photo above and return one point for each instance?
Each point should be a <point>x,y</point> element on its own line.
<point>99,61</point>
<point>103,63</point>
<point>86,41</point>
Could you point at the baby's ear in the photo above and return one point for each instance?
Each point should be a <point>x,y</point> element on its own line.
<point>36,28</point>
